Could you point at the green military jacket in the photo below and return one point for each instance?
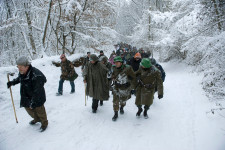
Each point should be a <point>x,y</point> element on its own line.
<point>123,79</point>
<point>147,81</point>
<point>68,71</point>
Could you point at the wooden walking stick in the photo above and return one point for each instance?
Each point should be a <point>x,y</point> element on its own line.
<point>12,96</point>
<point>85,85</point>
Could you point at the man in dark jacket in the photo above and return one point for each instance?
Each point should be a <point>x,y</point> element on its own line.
<point>32,91</point>
<point>135,61</point>
<point>95,75</point>
<point>158,66</point>
<point>68,73</point>
<point>101,54</point>
<point>143,54</point>
<point>86,61</point>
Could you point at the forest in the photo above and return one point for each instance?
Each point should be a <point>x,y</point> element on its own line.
<point>190,31</point>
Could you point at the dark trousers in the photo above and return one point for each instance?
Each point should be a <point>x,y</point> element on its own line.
<point>95,104</point>
<point>38,114</point>
<point>60,89</point>
<point>146,107</point>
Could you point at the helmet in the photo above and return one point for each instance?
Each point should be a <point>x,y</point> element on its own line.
<point>153,61</point>
<point>118,58</point>
<point>145,62</point>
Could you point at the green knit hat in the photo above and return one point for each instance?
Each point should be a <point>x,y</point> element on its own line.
<point>145,62</point>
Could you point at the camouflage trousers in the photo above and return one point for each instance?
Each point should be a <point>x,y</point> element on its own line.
<point>38,114</point>
<point>117,103</point>
<point>120,97</point>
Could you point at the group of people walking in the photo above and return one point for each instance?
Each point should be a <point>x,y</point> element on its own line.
<point>136,75</point>
<point>139,76</point>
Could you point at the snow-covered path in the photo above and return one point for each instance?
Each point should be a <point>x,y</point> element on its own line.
<point>176,122</point>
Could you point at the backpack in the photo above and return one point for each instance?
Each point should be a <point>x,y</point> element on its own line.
<point>163,74</point>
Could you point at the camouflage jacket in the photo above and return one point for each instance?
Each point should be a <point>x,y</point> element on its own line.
<point>123,78</point>
<point>68,71</point>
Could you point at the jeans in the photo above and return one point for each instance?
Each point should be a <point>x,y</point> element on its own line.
<point>60,89</point>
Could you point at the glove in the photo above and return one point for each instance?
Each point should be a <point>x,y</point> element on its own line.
<point>160,96</point>
<point>9,84</point>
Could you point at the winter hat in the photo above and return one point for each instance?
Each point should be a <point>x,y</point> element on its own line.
<point>118,58</point>
<point>23,61</point>
<point>101,51</point>
<point>93,57</point>
<point>145,62</point>
<point>104,59</point>
<point>137,55</point>
<point>153,61</point>
<point>62,56</point>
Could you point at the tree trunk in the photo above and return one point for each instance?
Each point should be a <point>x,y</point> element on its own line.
<point>30,34</point>
<point>9,14</point>
<point>46,23</point>
<point>217,14</point>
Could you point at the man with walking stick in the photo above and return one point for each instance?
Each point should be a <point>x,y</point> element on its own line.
<point>32,91</point>
<point>95,76</point>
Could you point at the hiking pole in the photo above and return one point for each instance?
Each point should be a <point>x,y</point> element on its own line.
<point>11,74</point>
<point>85,85</point>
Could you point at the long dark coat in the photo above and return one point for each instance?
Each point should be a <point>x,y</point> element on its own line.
<point>97,82</point>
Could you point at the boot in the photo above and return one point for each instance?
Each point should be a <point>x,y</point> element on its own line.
<point>94,111</point>
<point>32,122</point>
<point>115,116</point>
<point>94,105</point>
<point>121,110</point>
<point>58,94</point>
<point>139,111</point>
<point>43,128</point>
<point>101,103</point>
<point>145,111</point>
<point>145,114</point>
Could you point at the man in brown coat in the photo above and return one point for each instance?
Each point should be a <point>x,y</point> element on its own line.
<point>68,73</point>
<point>148,77</point>
<point>95,75</point>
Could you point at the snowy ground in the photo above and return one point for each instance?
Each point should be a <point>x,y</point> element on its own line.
<point>177,122</point>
